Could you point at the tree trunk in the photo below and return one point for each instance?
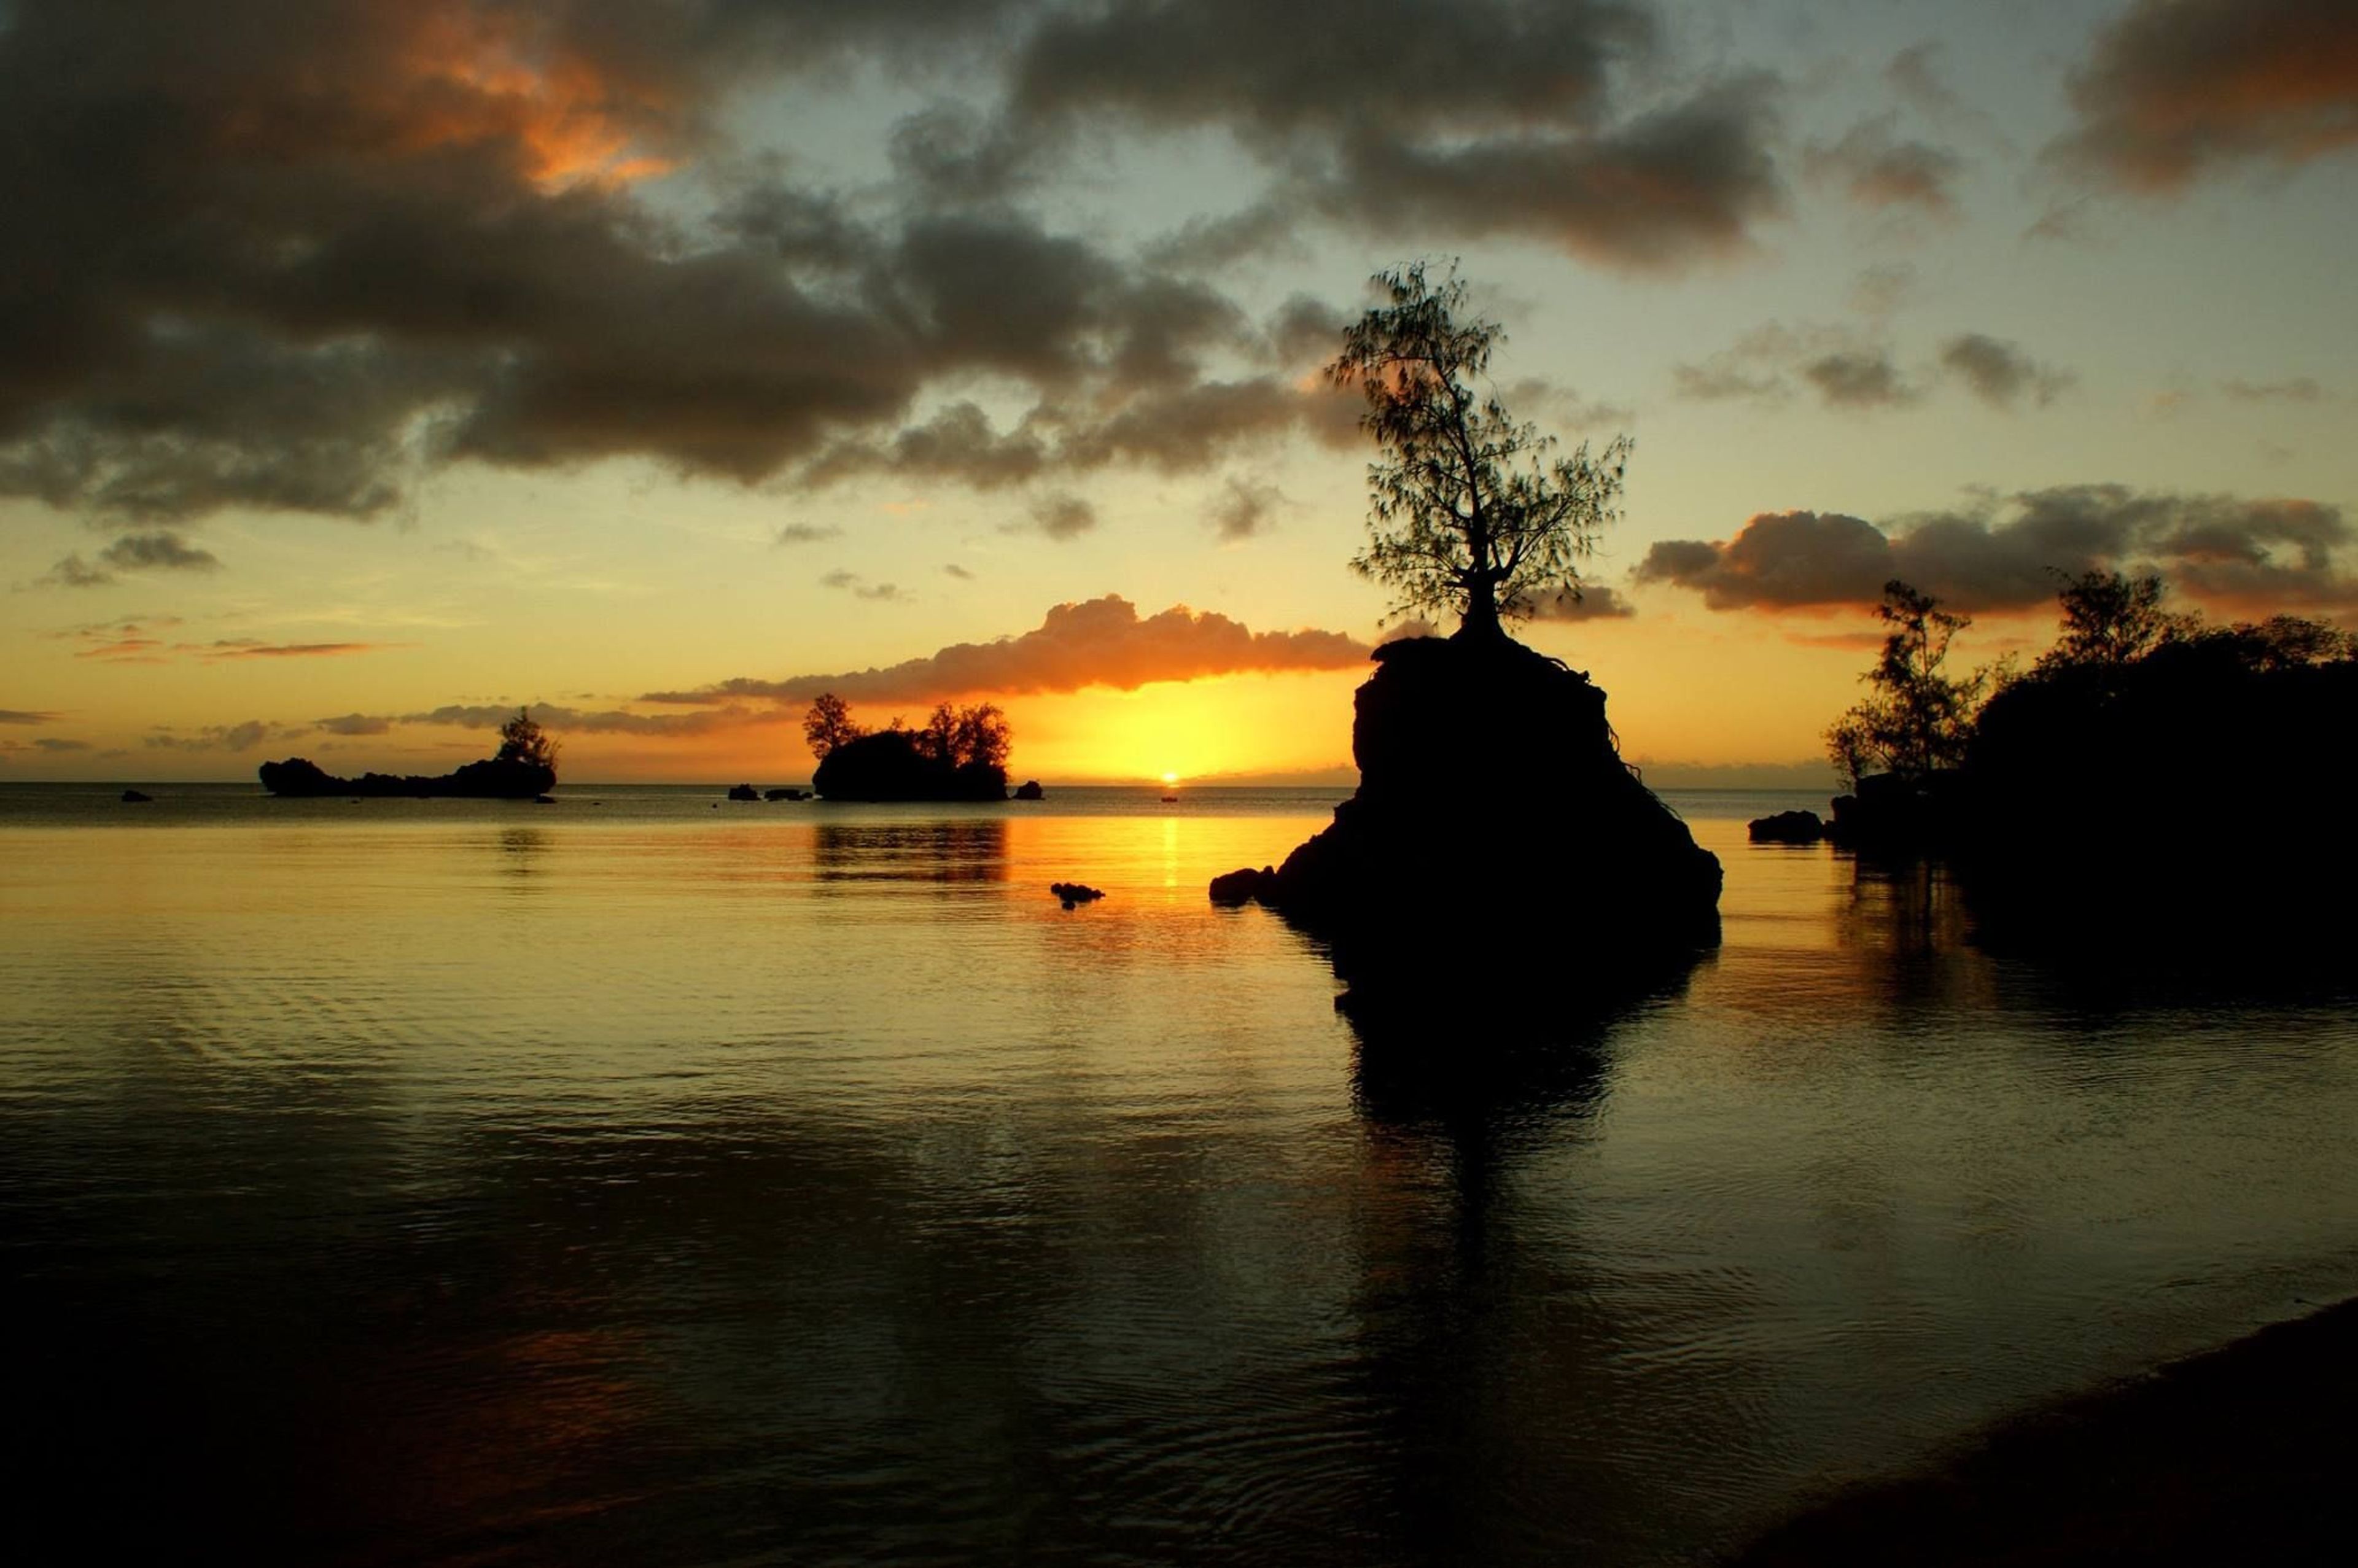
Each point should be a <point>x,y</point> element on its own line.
<point>1481,617</point>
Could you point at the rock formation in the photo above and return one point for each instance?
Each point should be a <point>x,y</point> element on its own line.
<point>492,779</point>
<point>890,765</point>
<point>1497,843</point>
<point>1786,828</point>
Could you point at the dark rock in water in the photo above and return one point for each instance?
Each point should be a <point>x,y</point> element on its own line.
<point>1786,828</point>
<point>136,797</point>
<point>887,765</point>
<point>1029,790</point>
<point>1074,893</point>
<point>1496,839</point>
<point>743,792</point>
<point>1243,886</point>
<point>786,795</point>
<point>1896,815</point>
<point>490,779</point>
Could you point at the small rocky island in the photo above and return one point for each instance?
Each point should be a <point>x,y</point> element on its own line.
<point>960,754</point>
<point>523,769</point>
<point>1496,833</point>
<point>1500,868</point>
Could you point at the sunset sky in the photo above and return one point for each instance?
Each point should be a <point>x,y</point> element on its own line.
<point>369,367</point>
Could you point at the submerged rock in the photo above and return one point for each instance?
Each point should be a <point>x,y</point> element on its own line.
<point>1496,839</point>
<point>1786,828</point>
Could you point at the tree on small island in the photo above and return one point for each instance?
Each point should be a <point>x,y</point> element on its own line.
<point>1469,518</point>
<point>1915,719</point>
<point>959,755</point>
<point>524,740</point>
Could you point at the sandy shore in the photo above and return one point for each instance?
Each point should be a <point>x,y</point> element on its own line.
<point>2244,1455</point>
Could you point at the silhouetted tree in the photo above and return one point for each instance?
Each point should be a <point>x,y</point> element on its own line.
<point>522,741</point>
<point>2110,619</point>
<point>1914,720</point>
<point>1469,517</point>
<point>828,724</point>
<point>982,737</point>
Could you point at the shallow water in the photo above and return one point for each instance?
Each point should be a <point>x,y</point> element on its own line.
<point>650,1182</point>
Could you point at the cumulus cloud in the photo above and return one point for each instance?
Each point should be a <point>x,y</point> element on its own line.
<point>1999,372</point>
<point>1879,171</point>
<point>2233,552</point>
<point>1098,642</point>
<point>1859,378</point>
<point>2176,90</point>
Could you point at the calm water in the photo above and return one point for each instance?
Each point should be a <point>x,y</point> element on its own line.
<point>650,1183</point>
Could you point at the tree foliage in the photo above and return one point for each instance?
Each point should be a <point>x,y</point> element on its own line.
<point>828,724</point>
<point>1470,515</point>
<point>960,735</point>
<point>1915,719</point>
<point>522,740</point>
<point>2110,619</point>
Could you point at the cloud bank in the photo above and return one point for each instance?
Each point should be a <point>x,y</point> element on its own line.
<point>2259,555</point>
<point>1099,641</point>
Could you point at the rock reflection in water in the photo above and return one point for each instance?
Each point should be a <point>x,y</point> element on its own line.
<point>972,850</point>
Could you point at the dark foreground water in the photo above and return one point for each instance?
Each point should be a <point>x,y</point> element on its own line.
<point>649,1183</point>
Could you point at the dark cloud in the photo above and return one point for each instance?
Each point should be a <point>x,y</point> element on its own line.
<point>1859,378</point>
<point>958,571</point>
<point>586,721</point>
<point>161,551</point>
<point>1100,641</point>
<point>1245,507</point>
<point>293,258</point>
<point>219,737</point>
<point>59,743</point>
<point>2297,389</point>
<point>806,533</point>
<point>861,587</point>
<point>1593,601</point>
<point>354,724</point>
<point>1999,372</point>
<point>2178,89</point>
<point>1470,116</point>
<point>1847,369</point>
<point>2264,554</point>
<point>1879,171</point>
<point>27,716</point>
<point>1062,516</point>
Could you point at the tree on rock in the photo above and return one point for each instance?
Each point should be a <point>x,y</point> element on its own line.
<point>1470,515</point>
<point>524,740</point>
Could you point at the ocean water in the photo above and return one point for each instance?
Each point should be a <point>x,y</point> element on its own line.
<point>650,1179</point>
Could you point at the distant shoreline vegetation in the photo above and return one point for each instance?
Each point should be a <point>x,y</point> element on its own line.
<point>960,753</point>
<point>523,769</point>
